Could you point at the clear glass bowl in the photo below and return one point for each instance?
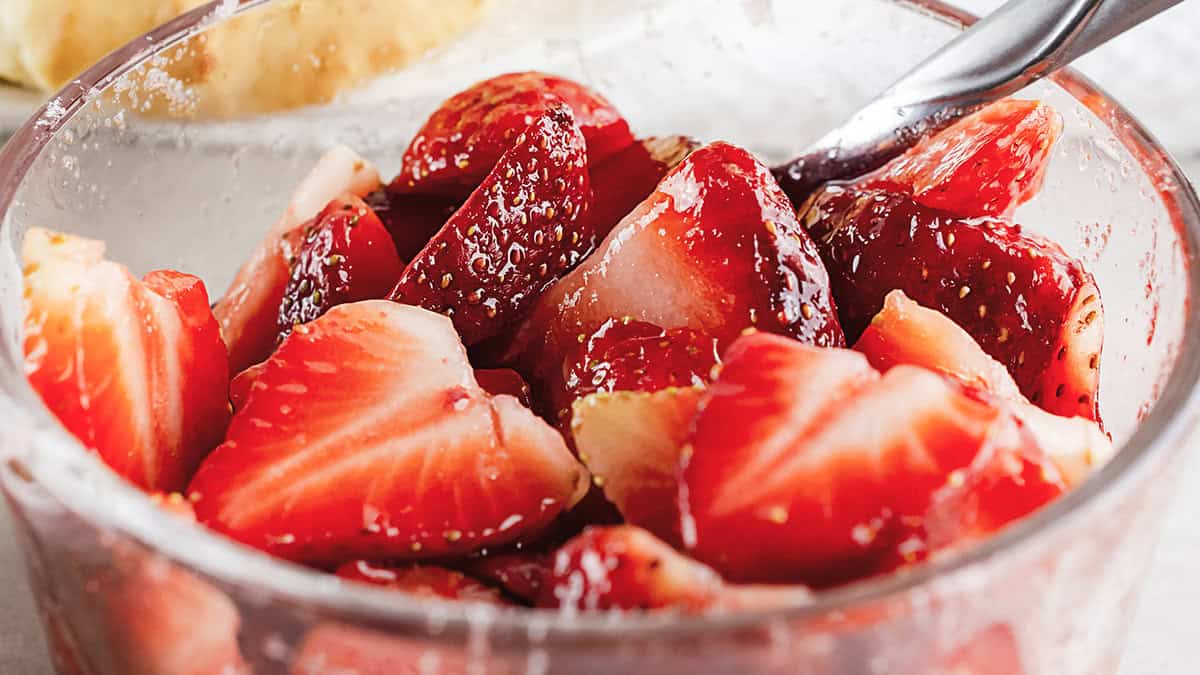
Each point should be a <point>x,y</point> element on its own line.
<point>125,588</point>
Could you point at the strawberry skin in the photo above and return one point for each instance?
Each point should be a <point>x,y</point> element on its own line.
<point>624,567</point>
<point>805,465</point>
<point>365,435</point>
<point>343,255</point>
<point>411,220</point>
<point>986,164</point>
<point>522,229</point>
<point>249,310</point>
<point>498,381</point>
<point>905,333</point>
<point>716,248</point>
<point>135,370</point>
<point>521,574</point>
<point>1027,303</point>
<point>428,581</point>
<point>462,141</point>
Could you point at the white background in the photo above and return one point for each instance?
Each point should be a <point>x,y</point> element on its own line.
<point>1155,71</point>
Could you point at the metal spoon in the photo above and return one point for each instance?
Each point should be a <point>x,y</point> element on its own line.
<point>1016,45</point>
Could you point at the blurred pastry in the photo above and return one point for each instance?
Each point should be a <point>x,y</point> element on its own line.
<point>303,51</point>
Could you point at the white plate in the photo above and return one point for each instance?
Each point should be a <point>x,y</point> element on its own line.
<point>16,106</point>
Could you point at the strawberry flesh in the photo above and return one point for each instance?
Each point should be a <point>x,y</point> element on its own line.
<point>365,435</point>
<point>136,370</point>
<point>462,141</point>
<point>784,482</point>
<point>1029,305</point>
<point>715,249</point>
<point>343,255</point>
<point>522,229</point>
<point>426,581</point>
<point>986,164</point>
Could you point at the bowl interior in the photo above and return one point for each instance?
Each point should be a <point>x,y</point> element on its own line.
<point>770,75</point>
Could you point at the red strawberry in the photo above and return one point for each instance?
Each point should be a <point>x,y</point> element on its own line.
<point>523,228</point>
<point>991,652</point>
<point>412,220</point>
<point>343,255</point>
<point>906,333</point>
<point>242,383</point>
<point>1026,302</point>
<point>429,581</point>
<point>630,442</point>
<point>366,435</point>
<point>627,355</point>
<point>249,310</point>
<point>498,381</point>
<point>135,370</point>
<point>805,465</point>
<point>339,649</point>
<point>715,249</point>
<point>625,567</point>
<point>520,574</point>
<point>986,164</point>
<point>461,142</point>
<point>625,179</point>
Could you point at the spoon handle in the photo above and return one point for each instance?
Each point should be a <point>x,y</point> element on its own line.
<point>1013,47</point>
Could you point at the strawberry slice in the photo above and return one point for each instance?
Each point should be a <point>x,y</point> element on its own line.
<point>627,355</point>
<point>521,574</point>
<point>498,381</point>
<point>625,179</point>
<point>412,220</point>
<point>522,229</point>
<point>249,310</point>
<point>135,370</point>
<point>833,472</point>
<point>1029,305</point>
<point>625,567</point>
<point>993,651</point>
<point>461,142</point>
<point>715,249</point>
<point>906,333</point>
<point>986,164</point>
<point>426,581</point>
<point>343,255</point>
<point>366,435</point>
<point>630,441</point>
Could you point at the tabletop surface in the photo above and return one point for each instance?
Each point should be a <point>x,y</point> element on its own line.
<point>1154,71</point>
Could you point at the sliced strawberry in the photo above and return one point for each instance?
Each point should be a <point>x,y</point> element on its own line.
<point>135,370</point>
<point>242,383</point>
<point>522,229</point>
<point>804,465</point>
<point>461,142</point>
<point>627,355</point>
<point>1026,302</point>
<point>428,581</point>
<point>412,220</point>
<point>624,180</point>
<point>715,249</point>
<point>249,310</point>
<point>338,649</point>
<point>625,567</point>
<point>630,441</point>
<point>175,503</point>
<point>993,651</point>
<point>906,333</point>
<point>522,575</point>
<point>343,255</point>
<point>366,435</point>
<point>986,164</point>
<point>498,381</point>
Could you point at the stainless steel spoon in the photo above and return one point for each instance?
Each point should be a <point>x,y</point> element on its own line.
<point>1016,45</point>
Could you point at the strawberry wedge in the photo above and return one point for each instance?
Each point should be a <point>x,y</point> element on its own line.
<point>1029,305</point>
<point>423,581</point>
<point>249,310</point>
<point>805,465</point>
<point>907,333</point>
<point>366,435</point>
<point>136,370</point>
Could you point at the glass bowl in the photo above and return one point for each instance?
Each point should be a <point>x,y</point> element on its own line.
<point>124,587</point>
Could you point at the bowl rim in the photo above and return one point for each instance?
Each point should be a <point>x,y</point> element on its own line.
<point>125,509</point>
